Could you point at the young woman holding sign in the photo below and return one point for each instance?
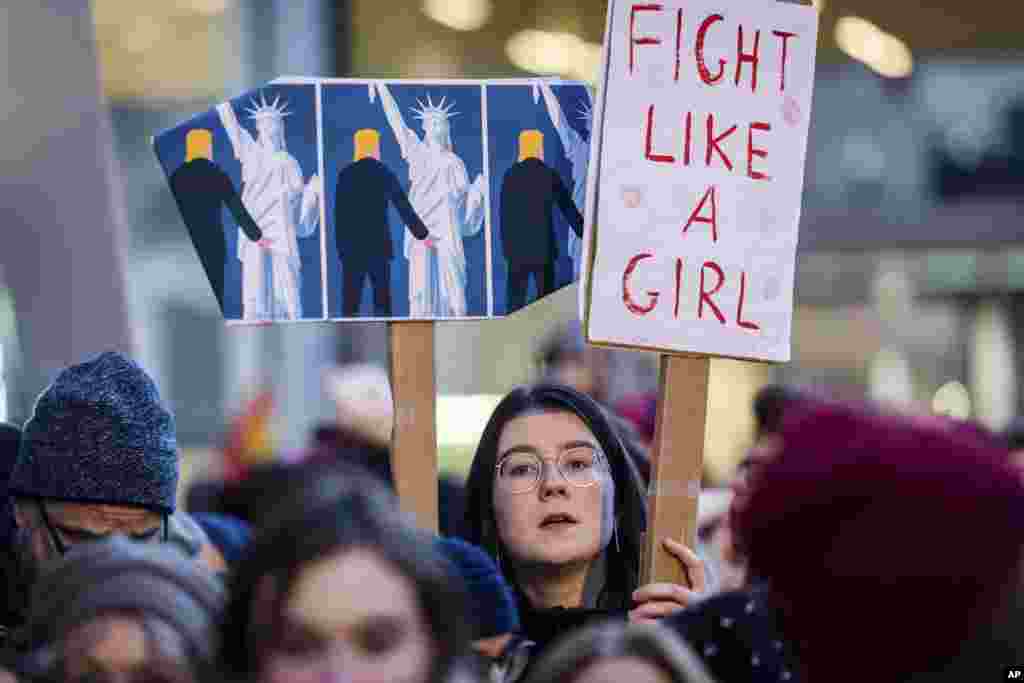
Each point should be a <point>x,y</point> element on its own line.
<point>554,498</point>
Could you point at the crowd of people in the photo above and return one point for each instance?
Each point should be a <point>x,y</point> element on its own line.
<point>854,544</point>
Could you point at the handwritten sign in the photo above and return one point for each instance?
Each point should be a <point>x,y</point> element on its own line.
<point>701,137</point>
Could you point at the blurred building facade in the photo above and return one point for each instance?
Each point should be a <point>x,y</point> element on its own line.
<point>911,267</point>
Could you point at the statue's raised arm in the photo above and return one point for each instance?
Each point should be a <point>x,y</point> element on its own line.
<point>566,133</point>
<point>240,138</point>
<point>405,135</point>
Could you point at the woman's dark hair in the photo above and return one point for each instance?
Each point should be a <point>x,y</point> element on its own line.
<point>338,507</point>
<point>630,511</point>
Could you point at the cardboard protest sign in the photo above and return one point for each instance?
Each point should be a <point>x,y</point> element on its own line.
<point>702,126</point>
<point>341,199</point>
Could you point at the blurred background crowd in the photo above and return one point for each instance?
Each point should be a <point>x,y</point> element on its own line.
<point>908,344</point>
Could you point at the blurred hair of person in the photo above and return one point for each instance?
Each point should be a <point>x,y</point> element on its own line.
<point>850,525</point>
<point>641,411</point>
<point>97,457</point>
<point>116,610</point>
<point>336,585</point>
<point>618,653</point>
<point>556,500</point>
<point>564,358</point>
<point>497,641</point>
<point>361,435</point>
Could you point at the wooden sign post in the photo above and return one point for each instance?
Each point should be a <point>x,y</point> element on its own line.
<point>676,463</point>
<point>414,439</point>
<point>692,213</point>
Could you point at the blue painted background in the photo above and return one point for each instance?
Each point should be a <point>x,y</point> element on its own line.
<point>347,108</point>
<point>510,110</point>
<point>300,136</point>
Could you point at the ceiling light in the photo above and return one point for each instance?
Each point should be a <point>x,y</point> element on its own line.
<point>209,8</point>
<point>883,53</point>
<point>461,15</point>
<point>544,52</point>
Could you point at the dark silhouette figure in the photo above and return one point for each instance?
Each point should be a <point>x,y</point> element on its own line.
<point>529,193</point>
<point>364,189</point>
<point>201,189</point>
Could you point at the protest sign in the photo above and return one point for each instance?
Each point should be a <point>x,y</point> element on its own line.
<point>703,122</point>
<point>351,199</point>
<point>692,212</point>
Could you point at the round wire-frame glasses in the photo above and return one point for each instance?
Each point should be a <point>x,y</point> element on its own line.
<point>521,471</point>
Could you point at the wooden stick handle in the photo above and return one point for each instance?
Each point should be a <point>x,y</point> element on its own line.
<point>677,460</point>
<point>414,439</point>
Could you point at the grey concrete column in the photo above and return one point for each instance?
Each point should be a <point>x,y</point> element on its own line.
<point>62,231</point>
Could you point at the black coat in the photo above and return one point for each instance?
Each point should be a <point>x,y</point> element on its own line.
<point>361,199</point>
<point>201,189</point>
<point>738,636</point>
<point>529,194</point>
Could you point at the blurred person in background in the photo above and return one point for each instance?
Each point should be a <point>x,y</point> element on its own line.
<point>116,610</point>
<point>361,434</point>
<point>558,503</point>
<point>98,457</point>
<point>503,653</point>
<point>737,632</point>
<point>564,358</point>
<point>336,586</point>
<point>850,524</point>
<point>616,653</point>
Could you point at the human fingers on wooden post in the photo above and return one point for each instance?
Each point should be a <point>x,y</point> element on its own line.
<point>658,600</point>
<point>691,563</point>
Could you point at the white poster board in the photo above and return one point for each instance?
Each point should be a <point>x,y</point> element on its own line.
<point>694,203</point>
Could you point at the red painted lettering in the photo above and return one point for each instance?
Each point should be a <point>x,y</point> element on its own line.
<point>695,217</point>
<point>679,284</point>
<point>744,57</point>
<point>705,295</point>
<point>755,152</point>
<point>713,142</point>
<point>660,158</point>
<point>689,138</point>
<point>702,67</point>
<point>785,35</point>
<point>679,39</point>
<point>627,299</point>
<point>745,324</point>
<point>633,40</point>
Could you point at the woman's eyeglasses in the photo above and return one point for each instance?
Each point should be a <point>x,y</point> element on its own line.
<point>521,472</point>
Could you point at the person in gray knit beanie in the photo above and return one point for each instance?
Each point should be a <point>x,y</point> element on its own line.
<point>98,457</point>
<point>126,610</point>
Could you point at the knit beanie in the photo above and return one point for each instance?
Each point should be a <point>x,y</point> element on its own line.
<point>897,534</point>
<point>100,434</point>
<point>118,575</point>
<point>492,602</point>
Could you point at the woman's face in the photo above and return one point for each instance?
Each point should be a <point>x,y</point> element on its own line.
<point>353,617</point>
<point>117,649</point>
<point>618,669</point>
<point>556,523</point>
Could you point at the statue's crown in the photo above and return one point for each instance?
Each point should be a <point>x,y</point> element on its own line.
<point>262,110</point>
<point>434,111</point>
